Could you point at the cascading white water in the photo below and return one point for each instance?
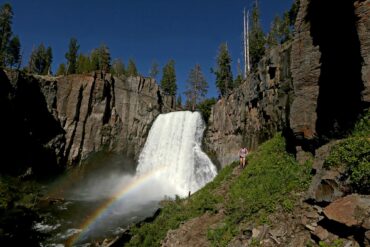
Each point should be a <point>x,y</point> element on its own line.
<point>173,146</point>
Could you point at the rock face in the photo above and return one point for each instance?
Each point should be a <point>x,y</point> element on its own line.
<point>255,111</point>
<point>362,12</point>
<point>84,114</point>
<point>306,72</point>
<point>327,184</point>
<point>329,91</point>
<point>112,113</point>
<point>314,89</point>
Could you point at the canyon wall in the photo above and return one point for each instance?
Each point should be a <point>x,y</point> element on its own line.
<point>313,89</point>
<point>330,69</point>
<point>59,121</point>
<point>253,112</point>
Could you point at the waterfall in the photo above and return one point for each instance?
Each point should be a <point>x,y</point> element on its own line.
<point>174,146</point>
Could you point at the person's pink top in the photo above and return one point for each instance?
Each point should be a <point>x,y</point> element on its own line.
<point>243,152</point>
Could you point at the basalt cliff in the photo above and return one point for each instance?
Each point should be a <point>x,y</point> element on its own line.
<point>313,89</point>
<point>50,123</point>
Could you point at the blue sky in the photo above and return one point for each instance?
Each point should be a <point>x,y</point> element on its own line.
<point>188,31</point>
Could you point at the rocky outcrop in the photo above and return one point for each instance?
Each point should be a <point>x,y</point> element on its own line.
<point>330,69</point>
<point>255,111</point>
<point>111,114</point>
<point>306,72</point>
<point>362,12</point>
<point>314,89</point>
<point>78,115</point>
<point>327,184</point>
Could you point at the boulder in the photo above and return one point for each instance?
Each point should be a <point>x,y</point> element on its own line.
<point>321,233</point>
<point>352,210</point>
<point>326,185</point>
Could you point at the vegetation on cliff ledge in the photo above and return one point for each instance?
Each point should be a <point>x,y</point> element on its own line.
<point>354,154</point>
<point>267,184</point>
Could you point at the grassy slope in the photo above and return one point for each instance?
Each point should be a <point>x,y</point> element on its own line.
<point>264,185</point>
<point>269,182</point>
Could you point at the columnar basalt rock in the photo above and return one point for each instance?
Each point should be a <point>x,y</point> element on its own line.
<point>362,12</point>
<point>330,70</point>
<point>314,88</point>
<point>305,70</point>
<point>255,111</point>
<point>87,113</point>
<point>111,114</point>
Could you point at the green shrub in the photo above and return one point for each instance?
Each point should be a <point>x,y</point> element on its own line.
<point>354,153</point>
<point>362,127</point>
<point>335,243</point>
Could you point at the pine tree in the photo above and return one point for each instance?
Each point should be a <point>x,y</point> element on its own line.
<point>257,38</point>
<point>83,64</point>
<point>196,86</point>
<point>168,82</point>
<point>40,60</point>
<point>274,36</point>
<point>71,56</point>
<point>61,69</point>
<point>100,59</point>
<point>285,29</point>
<point>48,61</point>
<point>6,16</point>
<point>131,68</point>
<point>14,52</point>
<point>94,60</point>
<point>105,58</point>
<point>154,70</point>
<point>179,102</point>
<point>293,12</point>
<point>239,78</point>
<point>224,77</point>
<point>118,68</point>
<point>238,81</point>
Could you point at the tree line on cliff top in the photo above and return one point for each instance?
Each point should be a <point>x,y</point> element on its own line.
<point>99,59</point>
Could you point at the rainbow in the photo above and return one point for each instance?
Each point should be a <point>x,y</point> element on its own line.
<point>102,211</point>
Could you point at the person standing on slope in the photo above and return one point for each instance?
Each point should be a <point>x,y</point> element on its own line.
<point>243,152</point>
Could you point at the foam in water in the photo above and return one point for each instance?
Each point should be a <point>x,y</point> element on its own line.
<point>174,146</point>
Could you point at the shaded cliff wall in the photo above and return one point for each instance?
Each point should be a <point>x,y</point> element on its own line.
<point>30,135</point>
<point>255,111</point>
<point>330,69</point>
<point>75,116</point>
<point>362,15</point>
<point>323,90</point>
